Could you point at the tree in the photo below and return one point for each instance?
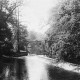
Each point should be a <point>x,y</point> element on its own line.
<point>67,31</point>
<point>23,42</point>
<point>8,26</point>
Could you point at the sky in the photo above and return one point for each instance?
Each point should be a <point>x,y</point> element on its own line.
<point>34,14</point>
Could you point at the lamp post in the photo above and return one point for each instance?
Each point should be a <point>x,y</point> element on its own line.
<point>17,15</point>
<point>18,32</point>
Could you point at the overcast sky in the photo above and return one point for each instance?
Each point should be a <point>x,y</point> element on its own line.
<point>36,13</point>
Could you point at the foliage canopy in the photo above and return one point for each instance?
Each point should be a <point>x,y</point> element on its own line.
<point>66,38</point>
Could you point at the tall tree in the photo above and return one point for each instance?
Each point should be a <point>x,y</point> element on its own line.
<point>65,38</point>
<point>8,25</point>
